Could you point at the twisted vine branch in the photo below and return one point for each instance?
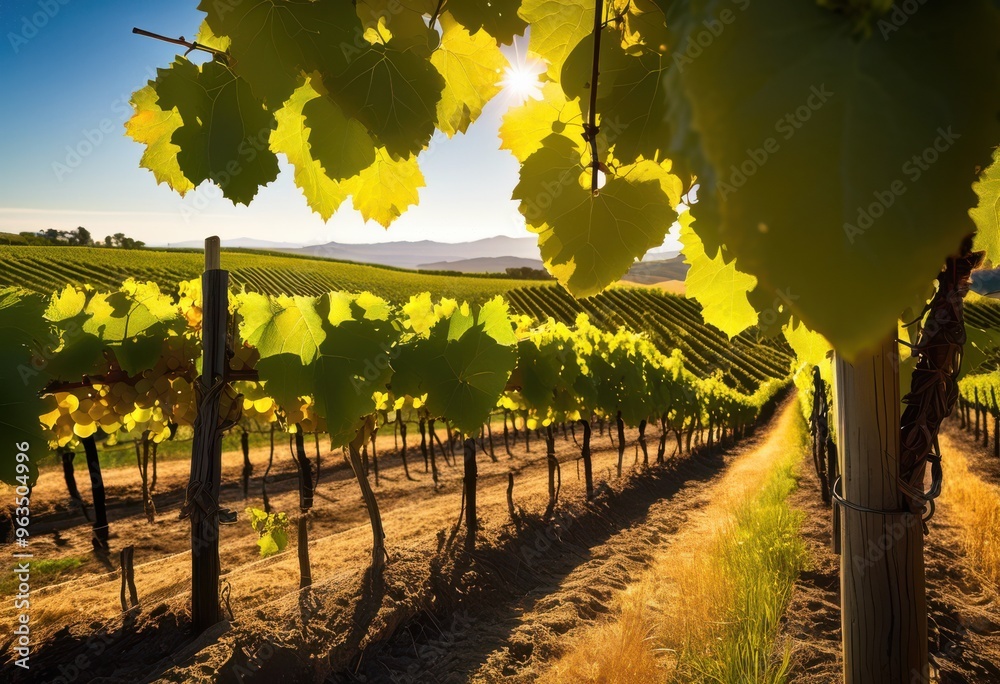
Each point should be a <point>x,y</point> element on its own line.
<point>934,383</point>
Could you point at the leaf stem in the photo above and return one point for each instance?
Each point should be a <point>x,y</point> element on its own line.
<point>592,129</point>
<point>180,41</point>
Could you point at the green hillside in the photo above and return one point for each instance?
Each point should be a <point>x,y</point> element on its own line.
<point>672,322</point>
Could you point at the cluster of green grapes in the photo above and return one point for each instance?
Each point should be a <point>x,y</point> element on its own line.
<point>119,404</point>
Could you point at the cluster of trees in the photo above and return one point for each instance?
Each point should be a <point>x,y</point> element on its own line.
<point>81,237</point>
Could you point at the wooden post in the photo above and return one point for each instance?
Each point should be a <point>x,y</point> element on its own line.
<point>471,471</point>
<point>206,455</point>
<point>247,466</point>
<point>588,467</point>
<point>100,526</point>
<point>884,611</point>
<point>510,498</point>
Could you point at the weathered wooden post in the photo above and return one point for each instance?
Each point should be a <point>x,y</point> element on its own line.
<point>206,457</point>
<point>471,472</point>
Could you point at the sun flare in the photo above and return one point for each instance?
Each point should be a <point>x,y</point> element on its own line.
<point>521,78</point>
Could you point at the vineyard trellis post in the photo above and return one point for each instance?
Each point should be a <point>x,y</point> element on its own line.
<point>206,457</point>
<point>100,526</point>
<point>471,472</point>
<point>882,564</point>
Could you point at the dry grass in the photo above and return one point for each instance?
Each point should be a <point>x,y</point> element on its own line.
<point>974,506</point>
<point>708,608</point>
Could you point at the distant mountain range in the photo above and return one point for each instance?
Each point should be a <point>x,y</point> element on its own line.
<point>489,255</point>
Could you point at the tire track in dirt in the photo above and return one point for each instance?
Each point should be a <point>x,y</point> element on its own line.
<point>574,584</point>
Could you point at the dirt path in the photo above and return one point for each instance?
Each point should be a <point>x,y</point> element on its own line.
<point>516,641</point>
<point>964,614</point>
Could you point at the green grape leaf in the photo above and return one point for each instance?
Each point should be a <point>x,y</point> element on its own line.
<point>556,28</point>
<point>136,354</point>
<point>810,347</point>
<point>402,21</point>
<point>341,145</point>
<point>283,324</point>
<point>462,366</point>
<point>498,18</point>
<point>226,129</point>
<point>155,128</point>
<point>632,101</point>
<point>386,189</point>
<point>986,213</point>
<point>129,312</point>
<point>525,127</point>
<point>274,41</point>
<point>286,379</point>
<point>494,317</point>
<point>66,304</point>
<point>589,242</point>
<point>855,238</point>
<point>538,370</point>
<point>471,65</point>
<point>291,138</point>
<point>23,329</point>
<point>354,362</point>
<point>394,93</point>
<point>718,286</point>
<point>206,36</point>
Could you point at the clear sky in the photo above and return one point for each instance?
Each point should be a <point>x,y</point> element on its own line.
<point>68,67</point>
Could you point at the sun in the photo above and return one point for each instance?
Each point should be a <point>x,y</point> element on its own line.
<point>521,78</point>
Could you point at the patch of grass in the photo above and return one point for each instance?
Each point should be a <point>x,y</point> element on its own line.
<point>709,608</point>
<point>757,558</point>
<point>42,572</point>
<point>974,505</point>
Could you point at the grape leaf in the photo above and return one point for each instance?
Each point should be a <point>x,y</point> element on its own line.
<point>291,138</point>
<point>226,129</point>
<point>525,127</point>
<point>386,189</point>
<point>471,65</point>
<point>462,366</point>
<point>274,41</point>
<point>66,304</point>
<point>206,36</point>
<point>717,285</point>
<point>632,102</point>
<point>22,329</point>
<point>283,324</point>
<point>986,213</point>
<point>132,310</point>
<point>855,238</point>
<point>154,128</point>
<point>499,18</point>
<point>589,242</point>
<point>341,145</point>
<point>394,93</point>
<point>353,364</point>
<point>556,28</point>
<point>286,379</point>
<point>399,20</point>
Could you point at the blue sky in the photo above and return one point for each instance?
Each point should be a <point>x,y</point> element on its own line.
<point>71,69</point>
